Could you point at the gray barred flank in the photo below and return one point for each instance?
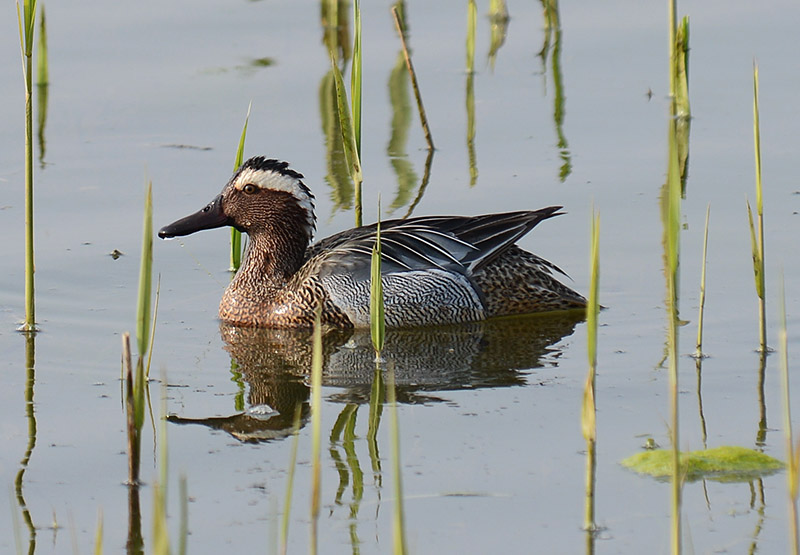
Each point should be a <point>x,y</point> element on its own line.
<point>418,298</point>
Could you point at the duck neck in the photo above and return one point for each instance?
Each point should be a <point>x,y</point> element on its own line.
<point>271,259</point>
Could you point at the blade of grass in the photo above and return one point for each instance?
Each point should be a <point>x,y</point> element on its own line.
<point>316,427</point>
<point>26,21</point>
<point>377,324</point>
<point>759,260</point>
<point>589,412</point>
<point>472,26</point>
<point>681,100</point>
<point>672,249</point>
<point>699,351</point>
<point>348,138</point>
<point>236,235</point>
<point>145,274</point>
<point>153,327</point>
<point>672,256</point>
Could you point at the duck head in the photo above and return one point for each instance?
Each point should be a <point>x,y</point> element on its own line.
<point>267,200</point>
<point>263,195</point>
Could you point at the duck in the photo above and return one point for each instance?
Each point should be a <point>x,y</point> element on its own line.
<point>435,270</point>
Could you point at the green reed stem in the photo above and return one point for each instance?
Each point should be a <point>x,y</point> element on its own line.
<point>153,328</point>
<point>472,26</point>
<point>672,252</point>
<point>145,274</point>
<point>237,248</point>
<point>377,324</point>
<point>758,250</point>
<point>355,94</point>
<point>414,84</point>
<point>672,25</point>
<point>26,20</point>
<point>589,410</point>
<point>348,138</point>
<point>673,230</point>
<point>699,351</point>
<point>316,428</point>
<point>792,453</point>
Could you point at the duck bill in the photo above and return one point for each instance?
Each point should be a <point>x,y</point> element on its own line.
<point>210,217</point>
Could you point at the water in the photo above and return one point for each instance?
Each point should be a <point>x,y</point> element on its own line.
<point>491,447</point>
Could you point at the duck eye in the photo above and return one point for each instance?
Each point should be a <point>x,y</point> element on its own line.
<point>250,189</point>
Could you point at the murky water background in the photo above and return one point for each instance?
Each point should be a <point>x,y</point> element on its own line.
<point>491,446</point>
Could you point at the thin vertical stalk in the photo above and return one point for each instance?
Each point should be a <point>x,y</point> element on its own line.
<point>145,275</point>
<point>673,256</point>
<point>760,286</point>
<point>355,98</point>
<point>377,323</point>
<point>672,24</point>
<point>26,33</point>
<point>699,351</point>
<point>589,412</point>
<point>672,251</point>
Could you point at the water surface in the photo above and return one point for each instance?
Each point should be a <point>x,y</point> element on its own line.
<point>492,451</point>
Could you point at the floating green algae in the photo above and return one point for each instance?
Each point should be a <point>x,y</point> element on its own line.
<point>722,464</point>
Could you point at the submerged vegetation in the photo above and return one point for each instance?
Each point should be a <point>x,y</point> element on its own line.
<point>724,464</point>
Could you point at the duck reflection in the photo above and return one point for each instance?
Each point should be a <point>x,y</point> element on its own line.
<point>275,364</point>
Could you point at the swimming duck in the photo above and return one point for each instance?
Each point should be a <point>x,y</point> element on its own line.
<point>435,269</point>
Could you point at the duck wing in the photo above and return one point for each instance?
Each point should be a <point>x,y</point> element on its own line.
<point>458,244</point>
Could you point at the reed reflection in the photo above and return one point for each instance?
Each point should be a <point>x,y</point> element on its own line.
<point>334,16</point>
<point>498,20</point>
<point>30,416</point>
<point>400,78</point>
<point>551,47</point>
<point>472,23</point>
